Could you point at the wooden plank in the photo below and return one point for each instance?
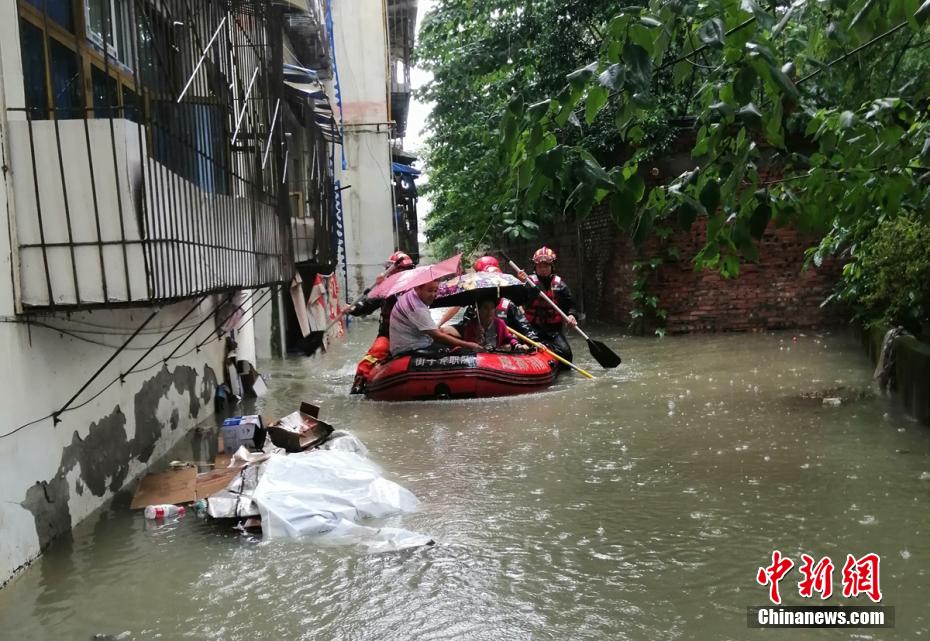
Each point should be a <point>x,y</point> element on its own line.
<point>216,481</point>
<point>174,486</point>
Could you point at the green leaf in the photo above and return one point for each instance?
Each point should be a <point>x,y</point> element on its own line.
<point>612,78</point>
<point>549,162</point>
<point>687,214</point>
<point>637,187</point>
<point>579,77</point>
<point>622,208</point>
<point>710,195</point>
<point>862,13</point>
<point>539,109</point>
<point>744,82</point>
<point>773,125</point>
<point>923,12</point>
<point>581,200</point>
<point>712,32</point>
<point>649,21</point>
<point>597,98</point>
<point>639,65</point>
<point>593,173</point>
<point>847,119</point>
<point>750,116</point>
<point>729,267</point>
<point>643,37</point>
<point>760,219</point>
<point>783,82</point>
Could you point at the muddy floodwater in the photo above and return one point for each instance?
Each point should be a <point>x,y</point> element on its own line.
<point>637,506</point>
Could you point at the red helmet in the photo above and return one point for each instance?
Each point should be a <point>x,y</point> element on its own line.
<point>544,255</point>
<point>400,260</point>
<point>485,262</point>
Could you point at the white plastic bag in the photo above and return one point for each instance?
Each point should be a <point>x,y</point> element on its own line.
<point>345,442</point>
<point>324,492</point>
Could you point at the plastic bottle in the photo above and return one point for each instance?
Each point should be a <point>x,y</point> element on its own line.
<point>163,511</point>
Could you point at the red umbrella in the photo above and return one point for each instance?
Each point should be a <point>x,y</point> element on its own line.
<point>411,278</point>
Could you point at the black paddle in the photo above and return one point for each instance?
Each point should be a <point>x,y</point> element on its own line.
<point>605,356</point>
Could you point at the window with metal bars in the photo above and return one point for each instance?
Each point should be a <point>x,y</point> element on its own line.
<point>198,211</point>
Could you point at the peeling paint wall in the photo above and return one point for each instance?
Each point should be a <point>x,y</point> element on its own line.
<point>52,476</point>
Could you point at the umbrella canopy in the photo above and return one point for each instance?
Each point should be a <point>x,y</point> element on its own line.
<point>467,288</point>
<point>411,278</point>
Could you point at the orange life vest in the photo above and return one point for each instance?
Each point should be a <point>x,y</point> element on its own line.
<point>540,313</point>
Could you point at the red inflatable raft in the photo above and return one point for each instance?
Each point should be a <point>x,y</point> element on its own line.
<point>420,377</point>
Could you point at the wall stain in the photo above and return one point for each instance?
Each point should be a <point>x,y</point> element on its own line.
<point>148,426</point>
<point>102,454</point>
<point>106,452</point>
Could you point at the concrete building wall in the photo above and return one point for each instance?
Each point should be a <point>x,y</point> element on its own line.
<point>55,473</point>
<point>52,476</point>
<point>360,35</point>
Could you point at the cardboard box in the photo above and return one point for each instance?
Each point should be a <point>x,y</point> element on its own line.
<point>243,430</point>
<point>300,430</point>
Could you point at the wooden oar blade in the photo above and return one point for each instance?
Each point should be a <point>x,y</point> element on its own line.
<point>605,356</point>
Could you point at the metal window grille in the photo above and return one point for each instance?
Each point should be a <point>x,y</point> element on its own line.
<point>153,168</point>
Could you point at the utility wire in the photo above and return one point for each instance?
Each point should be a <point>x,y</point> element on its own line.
<point>68,407</point>
<point>871,42</point>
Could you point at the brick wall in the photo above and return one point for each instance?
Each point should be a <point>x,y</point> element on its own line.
<point>596,259</point>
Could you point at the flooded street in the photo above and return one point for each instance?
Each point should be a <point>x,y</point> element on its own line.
<point>636,506</point>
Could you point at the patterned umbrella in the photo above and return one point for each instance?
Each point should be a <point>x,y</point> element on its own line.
<point>402,281</point>
<point>467,288</point>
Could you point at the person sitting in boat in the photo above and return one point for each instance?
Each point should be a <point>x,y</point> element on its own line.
<point>381,348</point>
<point>412,326</point>
<point>485,327</point>
<point>545,320</point>
<point>507,310</point>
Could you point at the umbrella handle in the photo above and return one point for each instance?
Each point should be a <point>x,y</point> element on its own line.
<point>548,300</point>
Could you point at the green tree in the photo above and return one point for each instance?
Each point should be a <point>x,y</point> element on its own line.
<point>483,54</point>
<point>834,93</point>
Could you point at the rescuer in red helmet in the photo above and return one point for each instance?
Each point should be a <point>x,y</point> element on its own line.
<point>507,310</point>
<point>486,263</point>
<point>381,348</point>
<point>542,317</point>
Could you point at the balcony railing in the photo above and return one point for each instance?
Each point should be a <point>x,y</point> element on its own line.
<point>147,160</point>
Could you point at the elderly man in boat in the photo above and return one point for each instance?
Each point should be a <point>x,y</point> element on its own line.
<point>412,326</point>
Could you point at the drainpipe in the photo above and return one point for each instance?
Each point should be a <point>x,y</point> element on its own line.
<point>580,254</point>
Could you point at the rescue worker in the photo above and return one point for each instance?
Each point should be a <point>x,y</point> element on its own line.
<point>381,347</point>
<point>507,310</point>
<point>545,320</point>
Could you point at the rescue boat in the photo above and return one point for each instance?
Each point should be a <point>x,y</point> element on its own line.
<point>411,377</point>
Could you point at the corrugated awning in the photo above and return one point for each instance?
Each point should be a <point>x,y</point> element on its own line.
<point>312,90</point>
<point>399,168</point>
<point>300,5</point>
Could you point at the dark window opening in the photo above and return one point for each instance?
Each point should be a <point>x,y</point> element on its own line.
<point>33,50</point>
<point>61,11</point>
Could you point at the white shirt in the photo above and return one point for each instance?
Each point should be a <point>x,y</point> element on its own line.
<point>409,320</point>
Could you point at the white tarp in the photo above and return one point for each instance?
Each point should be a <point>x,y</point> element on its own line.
<point>323,493</point>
